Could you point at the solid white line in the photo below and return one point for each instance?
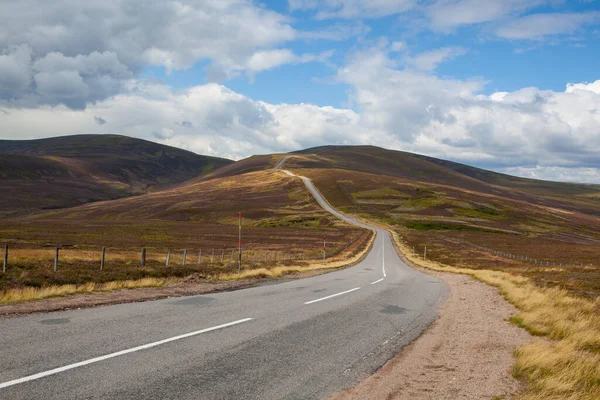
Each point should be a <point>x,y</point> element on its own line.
<point>377,281</point>
<point>330,296</point>
<point>117,354</point>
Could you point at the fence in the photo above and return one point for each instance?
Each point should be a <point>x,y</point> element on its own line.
<point>532,260</point>
<point>105,256</point>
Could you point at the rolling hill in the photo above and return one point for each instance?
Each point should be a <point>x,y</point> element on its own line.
<point>71,170</point>
<point>375,160</point>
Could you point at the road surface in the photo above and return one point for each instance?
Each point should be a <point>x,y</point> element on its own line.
<point>300,339</point>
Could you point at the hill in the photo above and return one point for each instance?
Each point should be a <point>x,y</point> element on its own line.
<point>375,160</point>
<point>71,170</point>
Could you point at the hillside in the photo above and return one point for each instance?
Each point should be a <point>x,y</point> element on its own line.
<point>71,170</point>
<point>375,160</point>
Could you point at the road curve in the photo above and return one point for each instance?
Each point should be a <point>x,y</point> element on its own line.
<point>299,339</point>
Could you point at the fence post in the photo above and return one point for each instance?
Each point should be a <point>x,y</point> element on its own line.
<point>184,256</point>
<point>425,254</point>
<point>102,258</point>
<point>5,265</point>
<point>143,257</point>
<point>200,257</point>
<point>168,258</point>
<point>222,255</point>
<point>231,258</point>
<point>212,260</point>
<point>55,259</point>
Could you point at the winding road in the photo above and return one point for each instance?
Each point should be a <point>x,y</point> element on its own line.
<point>299,339</point>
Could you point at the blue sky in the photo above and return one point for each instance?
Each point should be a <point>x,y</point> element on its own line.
<point>506,65</point>
<point>510,85</point>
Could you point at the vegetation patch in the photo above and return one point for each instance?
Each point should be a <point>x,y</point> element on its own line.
<point>289,222</point>
<point>480,213</point>
<point>440,226</point>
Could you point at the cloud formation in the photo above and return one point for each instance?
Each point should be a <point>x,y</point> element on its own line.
<point>83,52</point>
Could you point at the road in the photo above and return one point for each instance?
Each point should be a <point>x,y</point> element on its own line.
<point>298,339</point>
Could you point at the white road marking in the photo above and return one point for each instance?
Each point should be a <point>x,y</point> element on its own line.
<point>333,295</point>
<point>377,281</point>
<point>118,353</point>
<point>383,257</point>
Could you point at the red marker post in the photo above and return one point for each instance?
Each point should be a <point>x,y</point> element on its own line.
<point>240,243</point>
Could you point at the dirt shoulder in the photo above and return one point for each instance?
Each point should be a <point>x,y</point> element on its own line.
<point>466,354</point>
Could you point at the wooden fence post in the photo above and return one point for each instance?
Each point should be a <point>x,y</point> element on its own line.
<point>168,257</point>
<point>143,257</point>
<point>102,258</point>
<point>55,259</point>
<point>222,254</point>
<point>200,257</point>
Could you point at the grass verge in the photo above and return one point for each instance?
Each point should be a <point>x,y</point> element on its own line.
<point>21,295</point>
<point>565,367</point>
<point>282,270</point>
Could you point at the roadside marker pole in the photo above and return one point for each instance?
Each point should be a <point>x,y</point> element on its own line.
<point>425,254</point>
<point>55,259</point>
<point>168,257</point>
<point>324,248</point>
<point>222,255</point>
<point>143,257</point>
<point>212,260</point>
<point>200,257</point>
<point>184,256</point>
<point>240,243</point>
<point>102,257</point>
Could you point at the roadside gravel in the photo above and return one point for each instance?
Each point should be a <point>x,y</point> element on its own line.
<point>466,354</point>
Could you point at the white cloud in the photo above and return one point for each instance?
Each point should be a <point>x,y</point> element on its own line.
<point>429,61</point>
<point>552,134</point>
<point>353,8</point>
<point>537,26</point>
<point>82,52</point>
<point>446,15</point>
<point>560,174</point>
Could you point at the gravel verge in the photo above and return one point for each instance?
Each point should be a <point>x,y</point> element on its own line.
<point>466,354</point>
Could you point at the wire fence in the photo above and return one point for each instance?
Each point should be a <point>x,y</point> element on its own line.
<point>58,256</point>
<point>524,258</point>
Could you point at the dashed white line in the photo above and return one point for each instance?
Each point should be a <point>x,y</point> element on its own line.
<point>117,354</point>
<point>383,257</point>
<point>330,296</point>
<point>377,281</point>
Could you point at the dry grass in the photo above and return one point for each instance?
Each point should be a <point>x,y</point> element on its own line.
<point>566,363</point>
<point>20,295</point>
<point>277,271</point>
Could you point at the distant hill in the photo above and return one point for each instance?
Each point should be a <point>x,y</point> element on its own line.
<point>375,160</point>
<point>71,170</point>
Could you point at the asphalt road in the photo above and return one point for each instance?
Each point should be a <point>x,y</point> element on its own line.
<point>300,339</point>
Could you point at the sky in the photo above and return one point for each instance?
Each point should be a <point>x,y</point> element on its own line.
<point>507,85</point>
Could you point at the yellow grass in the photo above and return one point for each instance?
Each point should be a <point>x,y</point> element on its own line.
<point>281,270</point>
<point>20,295</point>
<point>566,363</point>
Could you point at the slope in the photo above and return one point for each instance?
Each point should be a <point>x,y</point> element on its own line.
<point>66,171</point>
<point>379,161</point>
